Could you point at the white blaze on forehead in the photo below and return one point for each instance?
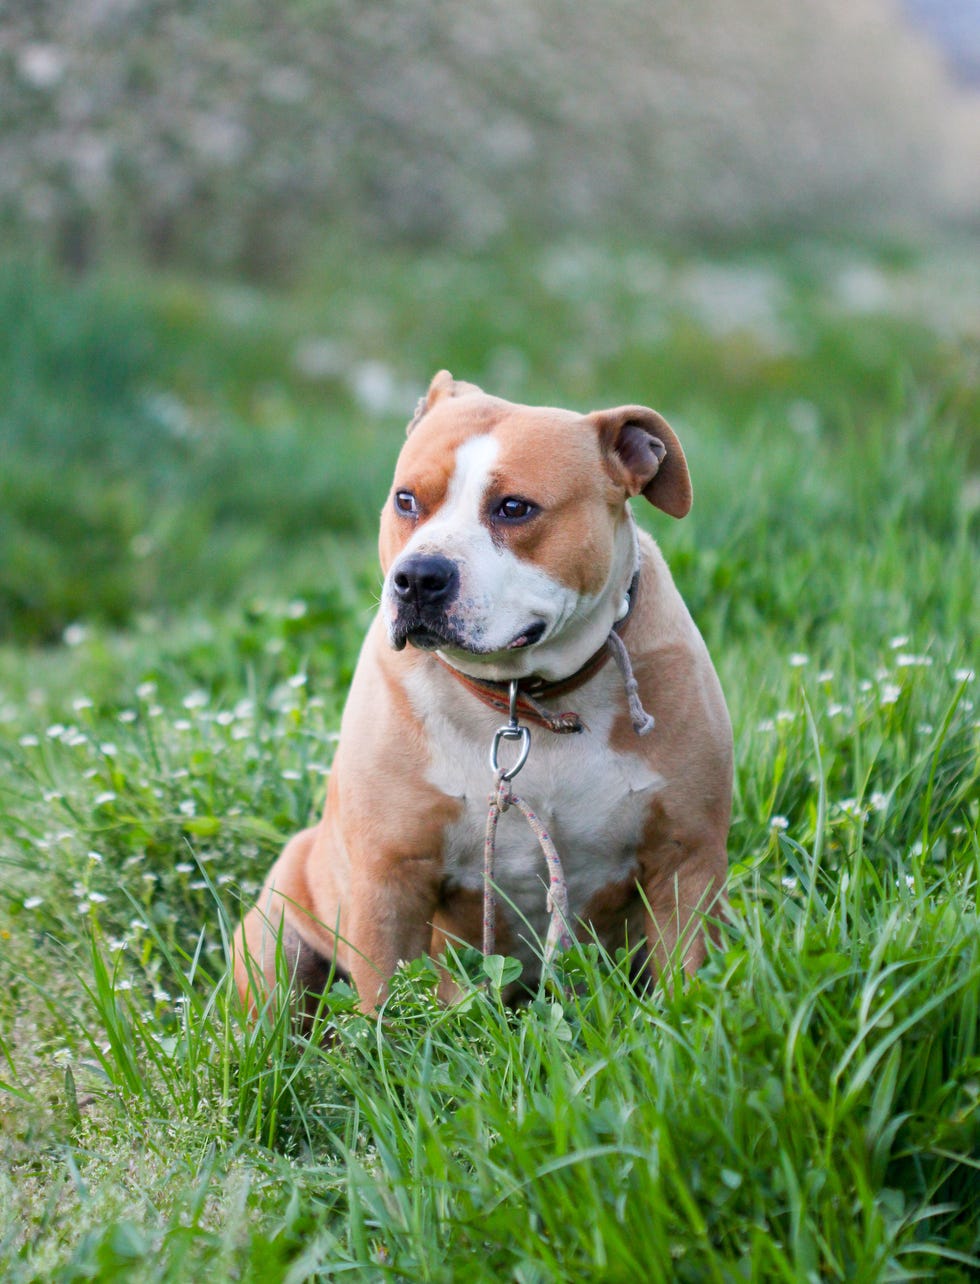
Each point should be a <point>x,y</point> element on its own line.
<point>463,505</point>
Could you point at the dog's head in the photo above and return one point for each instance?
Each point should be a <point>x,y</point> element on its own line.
<point>506,540</point>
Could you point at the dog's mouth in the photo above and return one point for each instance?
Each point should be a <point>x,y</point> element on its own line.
<point>423,640</point>
<point>430,635</point>
<point>425,635</point>
<point>533,633</point>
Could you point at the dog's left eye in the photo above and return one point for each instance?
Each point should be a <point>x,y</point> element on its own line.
<point>513,509</point>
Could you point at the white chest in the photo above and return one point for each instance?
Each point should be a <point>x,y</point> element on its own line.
<point>593,801</point>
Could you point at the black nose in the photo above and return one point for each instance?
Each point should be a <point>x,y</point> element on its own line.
<point>426,580</point>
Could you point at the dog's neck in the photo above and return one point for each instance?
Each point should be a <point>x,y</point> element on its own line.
<point>532,691</point>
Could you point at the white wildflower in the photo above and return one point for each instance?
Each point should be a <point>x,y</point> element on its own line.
<point>41,65</point>
<point>316,357</point>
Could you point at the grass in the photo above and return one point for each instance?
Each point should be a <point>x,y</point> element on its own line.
<point>808,1108</point>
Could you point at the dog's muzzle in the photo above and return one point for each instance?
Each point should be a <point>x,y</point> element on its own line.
<point>424,587</point>
<point>425,609</point>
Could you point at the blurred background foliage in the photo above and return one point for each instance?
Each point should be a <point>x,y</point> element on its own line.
<point>230,132</point>
<point>238,238</point>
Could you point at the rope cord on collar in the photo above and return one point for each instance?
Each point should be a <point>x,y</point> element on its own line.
<point>643,722</point>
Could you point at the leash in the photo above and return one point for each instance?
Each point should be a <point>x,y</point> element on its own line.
<point>519,701</point>
<point>559,937</point>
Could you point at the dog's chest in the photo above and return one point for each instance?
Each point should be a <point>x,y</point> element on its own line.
<point>593,800</point>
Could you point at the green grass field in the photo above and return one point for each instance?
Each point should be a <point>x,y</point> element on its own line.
<point>190,480</point>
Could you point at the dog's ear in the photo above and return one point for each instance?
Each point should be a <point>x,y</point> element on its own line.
<point>643,454</point>
<point>442,385</point>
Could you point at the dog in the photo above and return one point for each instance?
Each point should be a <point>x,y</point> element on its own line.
<point>510,553</point>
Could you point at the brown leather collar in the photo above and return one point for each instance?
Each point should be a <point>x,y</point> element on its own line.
<point>532,690</point>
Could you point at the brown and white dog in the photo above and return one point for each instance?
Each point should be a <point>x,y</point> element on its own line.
<point>510,552</point>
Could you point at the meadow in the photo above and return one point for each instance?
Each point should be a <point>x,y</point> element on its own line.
<point>191,476</point>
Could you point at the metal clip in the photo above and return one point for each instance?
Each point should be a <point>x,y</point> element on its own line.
<point>513,731</point>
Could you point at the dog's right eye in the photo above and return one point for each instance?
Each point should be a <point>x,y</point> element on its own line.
<point>406,503</point>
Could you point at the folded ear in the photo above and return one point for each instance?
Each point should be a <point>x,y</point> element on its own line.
<point>642,453</point>
<point>442,385</point>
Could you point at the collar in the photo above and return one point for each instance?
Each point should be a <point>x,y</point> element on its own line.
<point>533,689</point>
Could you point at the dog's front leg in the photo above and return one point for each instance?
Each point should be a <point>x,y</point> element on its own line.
<point>392,904</point>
